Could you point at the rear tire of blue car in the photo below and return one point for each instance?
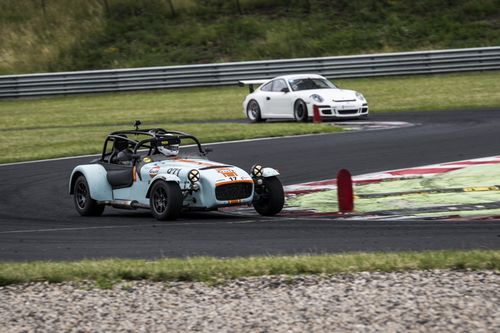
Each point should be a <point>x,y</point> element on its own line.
<point>271,197</point>
<point>166,200</point>
<point>84,204</point>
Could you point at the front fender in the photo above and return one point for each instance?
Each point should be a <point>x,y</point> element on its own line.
<point>269,172</point>
<point>95,174</point>
<point>162,177</point>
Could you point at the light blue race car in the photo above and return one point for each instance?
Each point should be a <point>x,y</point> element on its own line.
<point>146,169</point>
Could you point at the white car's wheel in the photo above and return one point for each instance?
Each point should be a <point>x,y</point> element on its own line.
<point>253,111</point>
<point>300,111</point>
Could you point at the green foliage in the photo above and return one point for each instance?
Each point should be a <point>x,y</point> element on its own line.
<point>133,33</point>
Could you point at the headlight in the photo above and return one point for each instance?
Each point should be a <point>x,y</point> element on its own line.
<point>359,96</point>
<point>257,170</point>
<point>194,176</point>
<point>317,98</point>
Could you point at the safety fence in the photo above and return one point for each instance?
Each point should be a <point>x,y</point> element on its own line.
<point>224,74</point>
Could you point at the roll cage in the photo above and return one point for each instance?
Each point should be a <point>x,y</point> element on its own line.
<point>155,137</point>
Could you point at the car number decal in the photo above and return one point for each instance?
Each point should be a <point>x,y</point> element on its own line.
<point>174,171</point>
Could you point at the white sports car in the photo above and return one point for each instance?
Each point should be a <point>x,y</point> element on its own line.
<point>294,97</point>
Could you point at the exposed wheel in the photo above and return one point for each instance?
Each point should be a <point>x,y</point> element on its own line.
<point>271,197</point>
<point>165,200</point>
<point>84,204</point>
<point>300,111</point>
<point>253,112</point>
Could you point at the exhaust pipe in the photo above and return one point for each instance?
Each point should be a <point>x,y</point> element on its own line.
<point>124,204</point>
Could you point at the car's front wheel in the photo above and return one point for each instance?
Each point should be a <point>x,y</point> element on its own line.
<point>165,200</point>
<point>300,111</point>
<point>253,112</point>
<point>270,197</point>
<point>84,204</point>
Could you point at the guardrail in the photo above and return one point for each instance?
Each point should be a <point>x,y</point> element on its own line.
<point>407,63</point>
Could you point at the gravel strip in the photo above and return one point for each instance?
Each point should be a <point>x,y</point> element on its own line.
<point>423,301</point>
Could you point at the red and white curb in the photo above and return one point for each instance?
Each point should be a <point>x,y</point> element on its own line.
<point>371,125</point>
<point>398,174</point>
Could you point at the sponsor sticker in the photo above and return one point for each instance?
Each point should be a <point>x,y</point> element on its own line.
<point>227,173</point>
<point>154,171</point>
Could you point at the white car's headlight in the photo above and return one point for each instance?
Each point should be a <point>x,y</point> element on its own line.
<point>360,97</point>
<point>316,98</point>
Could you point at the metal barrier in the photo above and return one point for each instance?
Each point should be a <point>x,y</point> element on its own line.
<point>407,63</point>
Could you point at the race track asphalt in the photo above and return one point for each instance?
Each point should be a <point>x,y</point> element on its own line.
<point>38,220</point>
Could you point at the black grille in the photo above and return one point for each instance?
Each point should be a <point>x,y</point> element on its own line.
<point>347,111</point>
<point>233,191</point>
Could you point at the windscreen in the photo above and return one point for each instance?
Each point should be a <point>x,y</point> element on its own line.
<point>310,83</point>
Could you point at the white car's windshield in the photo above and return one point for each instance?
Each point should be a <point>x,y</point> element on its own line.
<point>310,83</point>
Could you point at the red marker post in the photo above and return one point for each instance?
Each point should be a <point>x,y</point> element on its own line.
<point>316,115</point>
<point>345,193</point>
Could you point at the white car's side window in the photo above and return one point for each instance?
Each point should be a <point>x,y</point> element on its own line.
<point>279,85</point>
<point>267,87</point>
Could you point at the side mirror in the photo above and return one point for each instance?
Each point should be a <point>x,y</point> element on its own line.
<point>285,90</point>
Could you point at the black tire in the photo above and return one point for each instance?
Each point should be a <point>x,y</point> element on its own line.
<point>271,197</point>
<point>84,204</point>
<point>253,112</point>
<point>300,111</point>
<point>165,200</point>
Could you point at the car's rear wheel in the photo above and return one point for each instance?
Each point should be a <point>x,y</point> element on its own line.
<point>84,204</point>
<point>166,200</point>
<point>300,111</point>
<point>253,112</point>
<point>271,197</point>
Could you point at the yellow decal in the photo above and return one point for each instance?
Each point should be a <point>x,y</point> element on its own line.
<point>146,160</point>
<point>481,188</point>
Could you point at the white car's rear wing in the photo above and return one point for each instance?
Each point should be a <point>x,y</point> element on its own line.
<point>251,83</point>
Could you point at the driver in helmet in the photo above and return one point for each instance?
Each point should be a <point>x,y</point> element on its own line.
<point>169,148</point>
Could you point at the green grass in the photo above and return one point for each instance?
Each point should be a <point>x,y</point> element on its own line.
<point>77,125</point>
<point>47,143</point>
<point>436,92</point>
<point>130,33</point>
<point>212,269</point>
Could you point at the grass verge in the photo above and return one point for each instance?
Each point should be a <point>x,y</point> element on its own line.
<point>210,269</point>
<point>76,125</point>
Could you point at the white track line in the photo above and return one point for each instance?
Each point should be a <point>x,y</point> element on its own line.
<point>156,225</point>
<point>204,144</point>
<point>187,146</point>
